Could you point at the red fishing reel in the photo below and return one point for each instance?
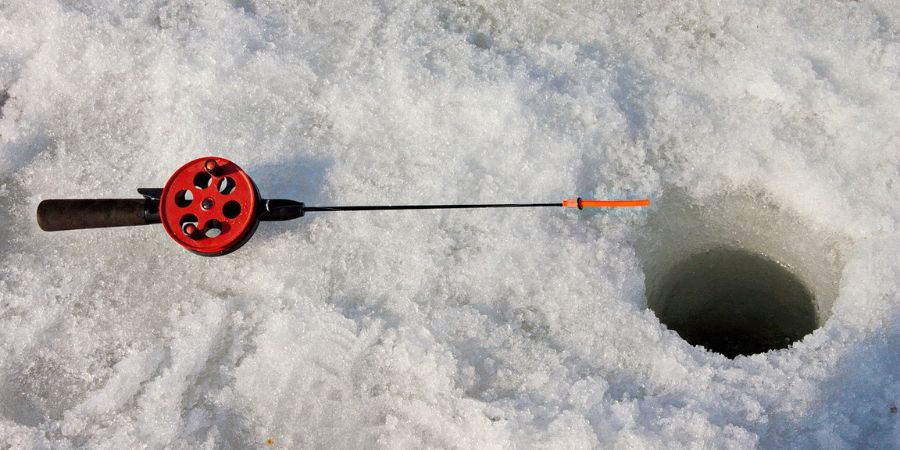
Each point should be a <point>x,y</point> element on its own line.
<point>209,206</point>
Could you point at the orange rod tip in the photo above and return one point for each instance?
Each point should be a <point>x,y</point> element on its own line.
<point>581,203</point>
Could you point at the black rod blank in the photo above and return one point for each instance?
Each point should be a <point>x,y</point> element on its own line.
<point>402,207</point>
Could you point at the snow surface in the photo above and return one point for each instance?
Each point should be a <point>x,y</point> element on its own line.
<point>478,329</point>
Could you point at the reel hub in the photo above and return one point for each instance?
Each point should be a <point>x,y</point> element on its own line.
<point>209,206</point>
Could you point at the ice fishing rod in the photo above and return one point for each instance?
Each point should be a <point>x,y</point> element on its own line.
<point>211,207</point>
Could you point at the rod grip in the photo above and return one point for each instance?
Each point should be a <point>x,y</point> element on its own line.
<point>58,215</point>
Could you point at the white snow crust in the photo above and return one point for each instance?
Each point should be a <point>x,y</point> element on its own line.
<point>442,329</point>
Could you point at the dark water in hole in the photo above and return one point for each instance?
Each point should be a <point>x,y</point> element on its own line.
<point>734,302</point>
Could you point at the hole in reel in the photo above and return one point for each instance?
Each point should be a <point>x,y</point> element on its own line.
<point>184,198</point>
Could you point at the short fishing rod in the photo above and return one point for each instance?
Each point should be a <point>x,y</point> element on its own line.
<point>211,207</point>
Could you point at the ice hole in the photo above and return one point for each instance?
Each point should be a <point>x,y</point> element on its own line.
<point>736,273</point>
<point>734,302</point>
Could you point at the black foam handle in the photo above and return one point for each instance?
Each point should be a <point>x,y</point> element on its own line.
<point>57,215</point>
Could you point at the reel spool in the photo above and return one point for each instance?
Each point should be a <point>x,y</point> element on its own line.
<point>209,206</point>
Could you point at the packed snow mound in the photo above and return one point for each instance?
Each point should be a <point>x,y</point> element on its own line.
<point>474,329</point>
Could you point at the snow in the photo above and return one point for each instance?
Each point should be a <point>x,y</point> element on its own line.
<point>474,329</point>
